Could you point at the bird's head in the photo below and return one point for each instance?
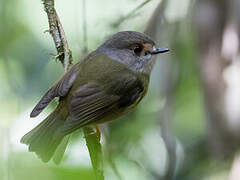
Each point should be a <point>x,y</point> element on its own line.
<point>133,49</point>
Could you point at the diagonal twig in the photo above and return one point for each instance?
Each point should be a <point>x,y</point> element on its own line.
<point>130,14</point>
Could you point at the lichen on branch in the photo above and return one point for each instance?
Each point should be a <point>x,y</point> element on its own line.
<point>56,30</point>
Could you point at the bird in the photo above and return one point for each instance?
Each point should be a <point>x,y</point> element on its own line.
<point>105,85</point>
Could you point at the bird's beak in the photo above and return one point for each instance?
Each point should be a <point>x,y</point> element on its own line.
<point>159,50</point>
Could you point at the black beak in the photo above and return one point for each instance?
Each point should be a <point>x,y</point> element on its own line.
<point>159,50</point>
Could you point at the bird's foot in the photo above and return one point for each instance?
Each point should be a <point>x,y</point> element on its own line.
<point>89,131</point>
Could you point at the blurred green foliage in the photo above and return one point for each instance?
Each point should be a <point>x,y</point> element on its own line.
<point>133,145</point>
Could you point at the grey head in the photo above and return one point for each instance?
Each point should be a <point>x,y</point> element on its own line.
<point>134,49</point>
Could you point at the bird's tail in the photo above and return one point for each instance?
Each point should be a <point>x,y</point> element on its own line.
<point>42,139</point>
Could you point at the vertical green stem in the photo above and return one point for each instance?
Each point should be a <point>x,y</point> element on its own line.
<point>95,151</point>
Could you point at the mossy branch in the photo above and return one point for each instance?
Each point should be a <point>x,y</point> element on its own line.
<point>65,56</point>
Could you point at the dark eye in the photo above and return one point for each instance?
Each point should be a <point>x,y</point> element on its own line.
<point>137,50</point>
<point>147,53</point>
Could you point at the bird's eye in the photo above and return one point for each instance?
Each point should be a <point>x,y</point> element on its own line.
<point>137,50</point>
<point>147,53</point>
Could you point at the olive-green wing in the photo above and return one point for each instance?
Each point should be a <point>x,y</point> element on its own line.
<point>60,89</point>
<point>92,102</point>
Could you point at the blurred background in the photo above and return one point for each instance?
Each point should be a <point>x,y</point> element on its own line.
<point>188,125</point>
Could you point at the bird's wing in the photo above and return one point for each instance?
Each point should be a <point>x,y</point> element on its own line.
<point>93,103</point>
<point>60,89</point>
